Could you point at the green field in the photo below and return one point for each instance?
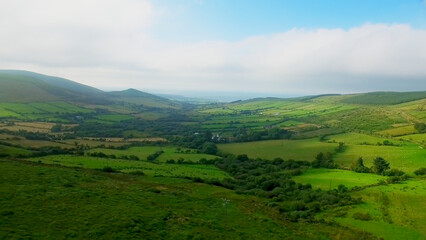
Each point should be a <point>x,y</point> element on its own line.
<point>331,178</point>
<point>285,149</point>
<point>13,151</point>
<point>170,153</point>
<point>397,211</point>
<point>407,158</point>
<point>151,169</point>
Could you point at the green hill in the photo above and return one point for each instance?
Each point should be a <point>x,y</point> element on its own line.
<point>28,87</point>
<point>134,96</point>
<point>25,87</point>
<point>385,98</point>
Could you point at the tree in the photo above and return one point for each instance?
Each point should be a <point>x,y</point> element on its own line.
<point>421,127</point>
<point>209,148</point>
<point>380,165</point>
<point>359,166</point>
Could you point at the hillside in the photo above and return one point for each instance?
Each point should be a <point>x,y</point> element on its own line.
<point>134,96</point>
<point>28,87</point>
<point>385,98</point>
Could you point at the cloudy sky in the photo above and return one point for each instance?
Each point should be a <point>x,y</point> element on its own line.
<point>273,47</point>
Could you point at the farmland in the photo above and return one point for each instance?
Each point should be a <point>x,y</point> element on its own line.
<point>87,164</point>
<point>332,178</point>
<point>285,149</point>
<point>128,166</point>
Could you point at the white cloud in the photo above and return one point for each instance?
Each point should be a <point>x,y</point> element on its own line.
<point>106,44</point>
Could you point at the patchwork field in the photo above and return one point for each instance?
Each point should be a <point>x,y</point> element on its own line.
<point>327,179</point>
<point>285,149</point>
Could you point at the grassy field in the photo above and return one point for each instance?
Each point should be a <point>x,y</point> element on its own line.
<point>396,211</point>
<point>407,158</point>
<point>49,202</point>
<point>151,169</point>
<point>170,153</point>
<point>360,139</point>
<point>13,151</point>
<point>285,149</point>
<point>327,179</point>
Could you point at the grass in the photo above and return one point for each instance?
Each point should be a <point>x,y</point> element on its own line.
<point>360,139</point>
<point>170,152</point>
<point>327,179</point>
<point>400,131</point>
<point>151,169</point>
<point>286,149</point>
<point>114,117</point>
<point>407,158</point>
<point>48,202</point>
<point>14,151</point>
<point>397,210</point>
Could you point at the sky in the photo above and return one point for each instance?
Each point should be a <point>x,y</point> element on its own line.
<point>207,47</point>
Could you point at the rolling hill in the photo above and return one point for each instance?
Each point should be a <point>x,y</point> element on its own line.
<point>18,86</point>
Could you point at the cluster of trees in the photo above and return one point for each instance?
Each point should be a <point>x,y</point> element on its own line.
<point>272,180</point>
<point>324,161</point>
<point>112,156</point>
<point>268,133</point>
<point>155,155</point>
<point>420,126</point>
<point>380,167</point>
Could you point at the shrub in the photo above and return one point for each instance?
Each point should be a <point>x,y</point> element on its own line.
<point>108,169</point>
<point>420,171</point>
<point>138,173</point>
<point>361,216</point>
<point>393,172</point>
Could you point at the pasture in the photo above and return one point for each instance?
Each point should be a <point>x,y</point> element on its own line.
<point>396,211</point>
<point>328,179</point>
<point>407,158</point>
<point>170,153</point>
<point>128,166</point>
<point>305,149</point>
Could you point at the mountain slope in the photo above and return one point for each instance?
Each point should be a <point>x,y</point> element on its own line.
<point>23,87</point>
<point>142,98</point>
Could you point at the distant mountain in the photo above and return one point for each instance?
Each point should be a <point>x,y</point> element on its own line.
<point>25,87</point>
<point>146,99</point>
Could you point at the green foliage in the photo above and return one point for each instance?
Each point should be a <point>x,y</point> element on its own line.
<point>380,165</point>
<point>361,216</point>
<point>420,127</point>
<point>420,171</point>
<point>323,160</point>
<point>359,166</point>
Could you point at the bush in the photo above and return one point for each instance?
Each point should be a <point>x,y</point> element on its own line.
<point>420,171</point>
<point>138,173</point>
<point>361,216</point>
<point>393,172</point>
<point>108,169</point>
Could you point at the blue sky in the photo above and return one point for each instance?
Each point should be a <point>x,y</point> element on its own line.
<point>206,20</point>
<point>204,47</point>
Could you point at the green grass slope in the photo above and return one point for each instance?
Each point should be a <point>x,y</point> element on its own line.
<point>49,202</point>
<point>385,98</point>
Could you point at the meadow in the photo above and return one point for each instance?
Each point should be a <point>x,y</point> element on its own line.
<point>129,166</point>
<point>286,149</point>
<point>169,153</point>
<point>396,211</point>
<point>328,179</point>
